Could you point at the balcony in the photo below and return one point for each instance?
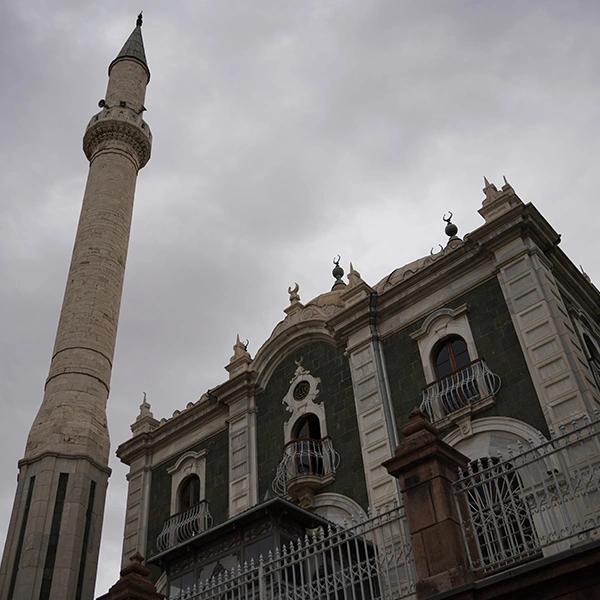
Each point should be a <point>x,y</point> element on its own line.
<point>184,526</point>
<point>459,393</point>
<point>307,465</point>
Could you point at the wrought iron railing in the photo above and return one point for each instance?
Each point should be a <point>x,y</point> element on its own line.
<point>535,501</point>
<point>370,560</point>
<point>305,458</point>
<point>184,525</point>
<point>460,389</point>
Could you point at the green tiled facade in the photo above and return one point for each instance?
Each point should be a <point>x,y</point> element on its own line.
<point>217,485</point>
<point>331,366</point>
<point>497,343</point>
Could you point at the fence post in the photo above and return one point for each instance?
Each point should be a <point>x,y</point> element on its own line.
<point>133,583</point>
<point>426,467</point>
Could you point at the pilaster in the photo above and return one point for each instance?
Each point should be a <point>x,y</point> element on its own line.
<point>545,331</point>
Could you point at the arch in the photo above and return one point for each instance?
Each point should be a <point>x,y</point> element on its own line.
<point>440,324</point>
<point>307,425</point>
<point>448,355</point>
<point>278,347</point>
<point>188,492</point>
<point>338,508</point>
<point>189,463</point>
<point>440,313</point>
<point>490,435</point>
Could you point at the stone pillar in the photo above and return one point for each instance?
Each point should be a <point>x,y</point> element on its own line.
<point>426,467</point>
<point>52,545</point>
<point>133,583</point>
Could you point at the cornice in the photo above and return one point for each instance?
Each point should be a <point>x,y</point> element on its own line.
<point>181,423</point>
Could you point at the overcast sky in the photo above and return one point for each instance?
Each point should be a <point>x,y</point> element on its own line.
<point>285,132</point>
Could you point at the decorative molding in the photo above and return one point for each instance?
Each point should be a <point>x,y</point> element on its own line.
<point>305,405</point>
<point>327,504</point>
<point>120,126</point>
<point>450,313</point>
<point>438,325</point>
<point>480,435</point>
<point>189,463</point>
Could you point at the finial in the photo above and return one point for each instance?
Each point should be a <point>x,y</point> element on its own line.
<point>451,229</point>
<point>337,273</point>
<point>293,292</point>
<point>585,275</point>
<point>139,19</point>
<point>486,183</point>
<point>353,275</point>
<point>144,409</point>
<point>240,349</point>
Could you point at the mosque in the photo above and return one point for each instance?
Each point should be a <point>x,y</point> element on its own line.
<point>284,481</point>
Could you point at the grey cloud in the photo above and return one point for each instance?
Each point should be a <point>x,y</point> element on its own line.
<point>284,133</point>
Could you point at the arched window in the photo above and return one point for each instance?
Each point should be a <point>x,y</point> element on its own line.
<point>307,445</point>
<point>498,517</point>
<point>307,426</point>
<point>189,493</point>
<point>450,355</point>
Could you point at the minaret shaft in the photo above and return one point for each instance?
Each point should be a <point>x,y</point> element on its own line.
<point>52,545</point>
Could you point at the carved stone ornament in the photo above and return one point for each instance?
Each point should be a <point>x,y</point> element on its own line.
<point>121,128</point>
<point>301,398</point>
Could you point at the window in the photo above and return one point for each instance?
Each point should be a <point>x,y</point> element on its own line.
<point>450,355</point>
<point>499,517</point>
<point>306,441</point>
<point>189,493</point>
<point>307,427</point>
<point>593,356</point>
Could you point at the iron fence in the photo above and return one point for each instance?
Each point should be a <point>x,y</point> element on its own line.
<point>538,499</point>
<point>370,560</point>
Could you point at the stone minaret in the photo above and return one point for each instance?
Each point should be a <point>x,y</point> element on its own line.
<point>51,550</point>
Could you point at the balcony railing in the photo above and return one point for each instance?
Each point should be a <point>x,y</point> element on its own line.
<point>534,501</point>
<point>460,389</point>
<point>184,525</point>
<point>305,458</point>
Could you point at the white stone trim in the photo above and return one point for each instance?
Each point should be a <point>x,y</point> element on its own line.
<point>308,405</point>
<point>370,415</point>
<point>488,435</point>
<point>189,463</point>
<point>440,324</point>
<point>546,333</point>
<point>338,508</point>
<point>242,462</point>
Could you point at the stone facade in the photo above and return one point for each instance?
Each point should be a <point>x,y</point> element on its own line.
<point>357,359</point>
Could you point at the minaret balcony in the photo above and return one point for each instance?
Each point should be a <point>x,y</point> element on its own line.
<point>460,393</point>
<point>307,466</point>
<point>184,526</point>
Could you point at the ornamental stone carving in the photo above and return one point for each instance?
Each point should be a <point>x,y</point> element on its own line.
<point>301,399</point>
<point>118,127</point>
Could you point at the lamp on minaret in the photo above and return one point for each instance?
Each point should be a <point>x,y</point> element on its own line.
<point>53,539</point>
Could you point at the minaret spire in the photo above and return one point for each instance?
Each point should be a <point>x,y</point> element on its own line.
<point>52,546</point>
<point>133,49</point>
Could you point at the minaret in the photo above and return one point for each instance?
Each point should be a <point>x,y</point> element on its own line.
<point>51,550</point>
